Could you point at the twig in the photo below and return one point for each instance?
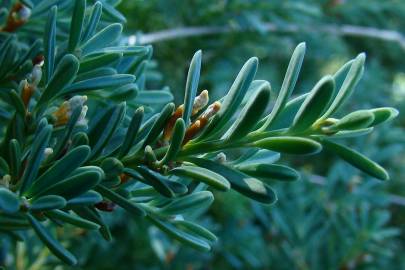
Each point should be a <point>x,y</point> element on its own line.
<point>341,30</point>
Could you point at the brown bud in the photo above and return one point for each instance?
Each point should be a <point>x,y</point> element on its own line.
<point>124,178</point>
<point>26,93</point>
<point>62,114</point>
<point>18,16</point>
<point>199,102</point>
<point>167,133</point>
<point>192,131</point>
<point>208,113</point>
<point>38,60</point>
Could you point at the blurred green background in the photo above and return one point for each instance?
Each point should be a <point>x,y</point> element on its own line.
<point>335,217</point>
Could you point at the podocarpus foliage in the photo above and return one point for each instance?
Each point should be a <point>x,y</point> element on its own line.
<point>81,135</point>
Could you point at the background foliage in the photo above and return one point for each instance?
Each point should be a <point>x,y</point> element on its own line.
<point>335,217</point>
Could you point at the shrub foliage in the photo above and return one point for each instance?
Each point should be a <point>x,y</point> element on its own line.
<point>81,135</point>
